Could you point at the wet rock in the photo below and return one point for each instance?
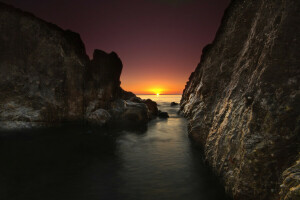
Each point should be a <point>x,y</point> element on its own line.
<point>152,106</point>
<point>135,114</point>
<point>47,78</point>
<point>174,104</point>
<point>136,99</point>
<point>243,99</point>
<point>163,114</point>
<point>290,187</point>
<point>126,95</point>
<point>99,117</point>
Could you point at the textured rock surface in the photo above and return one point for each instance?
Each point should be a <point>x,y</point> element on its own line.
<point>98,117</point>
<point>290,188</point>
<point>46,77</point>
<point>243,100</point>
<point>102,79</point>
<point>42,69</point>
<point>152,106</point>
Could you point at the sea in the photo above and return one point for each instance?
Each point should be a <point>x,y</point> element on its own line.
<point>70,163</point>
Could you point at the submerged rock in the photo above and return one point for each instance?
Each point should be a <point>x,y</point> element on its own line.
<point>243,99</point>
<point>163,114</point>
<point>174,104</point>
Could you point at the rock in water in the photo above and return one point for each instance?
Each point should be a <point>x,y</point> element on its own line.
<point>243,100</point>
<point>163,114</point>
<point>135,114</point>
<point>174,104</point>
<point>152,106</point>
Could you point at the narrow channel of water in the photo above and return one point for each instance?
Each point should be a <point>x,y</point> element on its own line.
<point>71,163</point>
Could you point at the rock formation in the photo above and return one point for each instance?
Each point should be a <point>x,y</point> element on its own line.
<point>46,77</point>
<point>243,100</point>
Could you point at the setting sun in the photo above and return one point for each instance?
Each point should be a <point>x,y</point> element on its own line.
<point>157,91</point>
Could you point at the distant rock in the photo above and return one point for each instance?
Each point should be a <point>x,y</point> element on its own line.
<point>174,104</point>
<point>163,114</point>
<point>152,106</point>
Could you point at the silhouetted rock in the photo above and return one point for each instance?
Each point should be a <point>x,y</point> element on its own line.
<point>243,100</point>
<point>102,80</point>
<point>126,95</point>
<point>163,114</point>
<point>136,99</point>
<point>174,104</point>
<point>152,106</point>
<point>46,77</point>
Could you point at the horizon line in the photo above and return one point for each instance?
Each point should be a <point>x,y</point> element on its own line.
<point>159,94</point>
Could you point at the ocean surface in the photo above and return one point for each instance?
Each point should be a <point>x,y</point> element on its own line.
<point>72,163</point>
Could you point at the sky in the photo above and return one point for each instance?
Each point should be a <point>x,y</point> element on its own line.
<point>159,41</point>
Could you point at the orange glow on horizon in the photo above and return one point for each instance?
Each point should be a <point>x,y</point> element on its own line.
<point>155,80</point>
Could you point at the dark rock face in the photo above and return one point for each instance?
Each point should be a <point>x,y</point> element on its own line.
<point>102,79</point>
<point>243,100</point>
<point>42,69</point>
<point>46,77</point>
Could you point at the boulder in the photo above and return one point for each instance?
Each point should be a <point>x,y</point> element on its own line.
<point>99,117</point>
<point>174,104</point>
<point>135,114</point>
<point>152,106</point>
<point>163,114</point>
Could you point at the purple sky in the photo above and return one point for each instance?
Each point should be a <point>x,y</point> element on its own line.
<point>158,41</point>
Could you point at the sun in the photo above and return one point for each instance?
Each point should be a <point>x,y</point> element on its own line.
<point>157,91</point>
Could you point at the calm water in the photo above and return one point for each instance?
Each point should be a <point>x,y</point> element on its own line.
<point>72,163</point>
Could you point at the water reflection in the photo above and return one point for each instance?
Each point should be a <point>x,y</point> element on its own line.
<point>77,163</point>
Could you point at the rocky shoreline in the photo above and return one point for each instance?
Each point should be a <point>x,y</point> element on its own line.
<point>47,78</point>
<point>243,100</point>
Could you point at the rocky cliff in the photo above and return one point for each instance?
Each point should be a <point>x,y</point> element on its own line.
<point>243,100</point>
<point>46,77</point>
